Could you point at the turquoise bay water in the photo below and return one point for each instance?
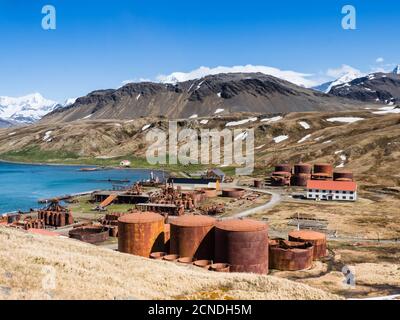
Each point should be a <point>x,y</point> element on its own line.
<point>21,185</point>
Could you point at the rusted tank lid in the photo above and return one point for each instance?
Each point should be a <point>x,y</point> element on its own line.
<point>245,225</point>
<point>193,221</point>
<point>307,235</point>
<point>144,217</point>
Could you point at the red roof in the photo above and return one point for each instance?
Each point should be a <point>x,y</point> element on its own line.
<point>332,185</point>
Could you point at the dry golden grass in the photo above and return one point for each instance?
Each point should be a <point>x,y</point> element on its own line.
<point>88,272</point>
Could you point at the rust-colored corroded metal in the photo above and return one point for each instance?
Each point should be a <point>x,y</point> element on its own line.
<point>285,167</point>
<point>56,215</point>
<point>141,233</point>
<point>158,255</point>
<point>233,193</point>
<point>290,256</point>
<point>220,267</point>
<point>300,179</point>
<point>343,176</point>
<point>324,168</point>
<point>193,236</point>
<point>210,192</point>
<point>302,168</point>
<point>91,234</point>
<point>316,238</point>
<point>203,263</point>
<point>171,257</point>
<point>321,176</point>
<point>243,244</point>
<point>258,184</point>
<point>185,260</point>
<point>167,236</point>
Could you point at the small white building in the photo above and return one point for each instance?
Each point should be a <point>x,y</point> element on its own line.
<point>125,163</point>
<point>332,190</point>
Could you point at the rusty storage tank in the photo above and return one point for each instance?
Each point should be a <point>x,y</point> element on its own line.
<point>193,236</point>
<point>343,176</point>
<point>210,192</point>
<point>91,234</point>
<point>323,168</point>
<point>283,167</point>
<point>258,184</point>
<point>290,256</point>
<point>317,239</point>
<point>243,244</point>
<point>300,179</point>
<point>233,192</point>
<point>321,176</point>
<point>167,233</point>
<point>141,233</point>
<point>302,168</point>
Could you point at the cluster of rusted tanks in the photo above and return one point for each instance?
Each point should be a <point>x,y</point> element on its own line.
<point>235,245</point>
<point>300,174</point>
<point>241,245</point>
<point>298,252</point>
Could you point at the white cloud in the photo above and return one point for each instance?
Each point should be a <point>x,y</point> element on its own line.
<point>298,78</point>
<point>380,60</point>
<point>341,71</point>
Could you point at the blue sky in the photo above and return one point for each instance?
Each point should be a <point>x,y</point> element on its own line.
<point>99,44</point>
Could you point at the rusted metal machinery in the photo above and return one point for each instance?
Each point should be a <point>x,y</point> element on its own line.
<point>56,215</point>
<point>173,201</point>
<point>213,210</point>
<point>343,176</point>
<point>193,236</point>
<point>281,178</point>
<point>28,223</point>
<point>243,244</point>
<point>136,189</point>
<point>322,171</point>
<point>317,239</point>
<point>300,179</point>
<point>110,221</point>
<point>90,234</point>
<point>141,233</point>
<point>285,167</point>
<point>13,217</point>
<point>233,192</point>
<point>290,256</point>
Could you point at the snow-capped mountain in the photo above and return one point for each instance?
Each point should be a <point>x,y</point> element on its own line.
<point>397,69</point>
<point>346,78</point>
<point>26,109</point>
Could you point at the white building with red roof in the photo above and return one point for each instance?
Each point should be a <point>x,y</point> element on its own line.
<point>332,190</point>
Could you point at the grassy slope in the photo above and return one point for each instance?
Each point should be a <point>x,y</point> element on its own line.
<point>88,272</point>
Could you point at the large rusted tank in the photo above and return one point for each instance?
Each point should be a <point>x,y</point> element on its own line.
<point>290,256</point>
<point>323,168</point>
<point>300,179</point>
<point>210,192</point>
<point>233,192</point>
<point>343,176</point>
<point>317,239</point>
<point>141,233</point>
<point>91,234</point>
<point>243,244</point>
<point>193,236</point>
<point>283,167</point>
<point>167,236</point>
<point>302,168</point>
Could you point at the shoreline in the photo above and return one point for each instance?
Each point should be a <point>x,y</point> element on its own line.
<point>81,165</point>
